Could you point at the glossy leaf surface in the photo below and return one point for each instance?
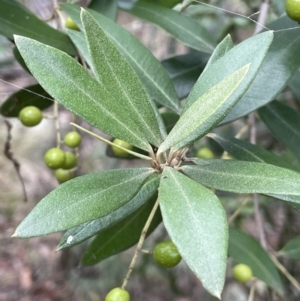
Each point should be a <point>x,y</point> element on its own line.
<point>32,96</point>
<point>244,177</point>
<point>16,19</point>
<point>85,97</point>
<point>121,236</point>
<point>83,199</point>
<point>245,249</point>
<point>282,61</point>
<point>183,28</point>
<point>206,112</point>
<point>196,222</point>
<point>250,51</point>
<point>120,80</point>
<point>292,249</point>
<point>284,123</point>
<point>153,76</point>
<point>184,70</point>
<point>82,232</point>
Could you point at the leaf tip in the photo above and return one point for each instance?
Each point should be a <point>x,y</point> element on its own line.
<point>15,234</point>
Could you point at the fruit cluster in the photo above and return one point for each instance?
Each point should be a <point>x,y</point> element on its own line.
<point>63,162</point>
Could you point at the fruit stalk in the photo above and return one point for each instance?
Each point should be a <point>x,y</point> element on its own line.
<point>140,244</point>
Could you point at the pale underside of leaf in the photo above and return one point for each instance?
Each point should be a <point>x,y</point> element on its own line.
<point>203,114</point>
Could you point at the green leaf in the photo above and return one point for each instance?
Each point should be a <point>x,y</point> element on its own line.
<point>184,70</point>
<point>119,79</point>
<point>83,199</point>
<point>19,58</point>
<point>245,151</point>
<point>183,28</point>
<point>292,249</point>
<point>153,76</point>
<point>197,224</point>
<point>244,177</point>
<point>282,61</point>
<point>121,236</point>
<point>108,8</point>
<point>284,123</point>
<point>78,38</point>
<point>29,96</point>
<point>82,232</point>
<point>251,51</point>
<point>170,119</point>
<point>245,249</point>
<point>16,19</point>
<point>206,112</point>
<point>294,85</point>
<point>72,86</point>
<point>223,47</point>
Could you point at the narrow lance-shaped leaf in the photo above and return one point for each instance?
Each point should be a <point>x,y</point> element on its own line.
<point>245,151</point>
<point>82,232</point>
<point>78,38</point>
<point>16,19</point>
<point>121,236</point>
<point>153,76</point>
<point>181,27</point>
<point>109,8</point>
<point>83,199</point>
<point>251,51</point>
<point>282,61</point>
<point>244,177</point>
<point>206,112</point>
<point>72,86</point>
<point>119,79</point>
<point>245,249</point>
<point>284,123</point>
<point>292,249</point>
<point>223,47</point>
<point>294,85</point>
<point>197,224</point>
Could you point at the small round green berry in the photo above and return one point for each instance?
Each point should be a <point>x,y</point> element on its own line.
<point>166,254</point>
<point>70,161</point>
<point>205,153</point>
<point>69,23</point>
<point>72,139</point>
<point>30,116</point>
<point>63,175</point>
<point>55,158</point>
<point>242,273</point>
<point>120,152</point>
<point>117,294</point>
<point>292,8</point>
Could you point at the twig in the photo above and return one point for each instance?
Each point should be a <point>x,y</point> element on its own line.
<point>140,244</point>
<point>56,122</point>
<point>285,272</point>
<point>262,17</point>
<point>237,211</point>
<point>10,156</point>
<point>252,291</point>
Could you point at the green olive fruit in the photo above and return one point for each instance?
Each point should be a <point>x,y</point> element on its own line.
<point>242,273</point>
<point>30,116</point>
<point>292,8</point>
<point>117,294</point>
<point>69,23</point>
<point>205,153</point>
<point>70,160</point>
<point>63,175</point>
<point>55,158</point>
<point>166,254</point>
<point>72,139</point>
<point>118,151</point>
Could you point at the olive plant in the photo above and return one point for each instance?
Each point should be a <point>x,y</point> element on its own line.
<point>126,97</point>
